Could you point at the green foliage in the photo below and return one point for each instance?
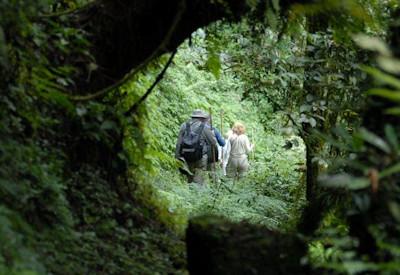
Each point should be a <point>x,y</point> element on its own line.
<point>70,204</point>
<point>345,18</point>
<point>64,207</point>
<point>273,192</point>
<point>368,171</point>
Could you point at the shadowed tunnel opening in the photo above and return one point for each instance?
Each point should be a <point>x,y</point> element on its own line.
<point>94,93</point>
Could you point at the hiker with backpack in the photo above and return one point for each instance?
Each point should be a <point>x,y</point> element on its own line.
<point>240,147</point>
<point>193,139</point>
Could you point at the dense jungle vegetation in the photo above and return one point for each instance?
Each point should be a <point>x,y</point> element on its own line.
<point>93,94</point>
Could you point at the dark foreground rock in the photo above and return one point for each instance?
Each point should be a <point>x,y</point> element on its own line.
<point>217,246</point>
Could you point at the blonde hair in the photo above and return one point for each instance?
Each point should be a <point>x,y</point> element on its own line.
<point>239,128</point>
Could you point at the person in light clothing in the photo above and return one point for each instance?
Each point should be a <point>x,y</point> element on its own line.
<point>226,150</point>
<point>240,147</point>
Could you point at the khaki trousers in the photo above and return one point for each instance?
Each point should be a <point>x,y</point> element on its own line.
<point>237,166</point>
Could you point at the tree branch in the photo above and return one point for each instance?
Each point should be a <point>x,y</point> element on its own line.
<point>65,12</point>
<point>162,47</point>
<point>148,92</point>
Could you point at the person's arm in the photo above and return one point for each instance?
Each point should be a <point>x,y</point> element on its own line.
<point>248,147</point>
<point>227,152</point>
<point>219,138</point>
<point>210,137</point>
<point>179,142</point>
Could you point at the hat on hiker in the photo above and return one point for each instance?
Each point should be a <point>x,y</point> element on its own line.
<point>199,114</point>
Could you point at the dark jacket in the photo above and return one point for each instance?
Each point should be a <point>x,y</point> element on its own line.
<point>218,136</point>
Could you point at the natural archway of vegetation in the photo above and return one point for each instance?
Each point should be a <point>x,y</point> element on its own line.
<point>93,96</point>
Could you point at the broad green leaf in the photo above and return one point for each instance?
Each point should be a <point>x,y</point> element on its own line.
<point>275,4</point>
<point>312,122</point>
<point>81,110</point>
<point>385,93</point>
<point>383,77</point>
<point>343,133</point>
<point>393,111</point>
<point>305,108</point>
<point>395,210</point>
<point>374,140</point>
<point>59,98</point>
<point>345,181</point>
<point>390,171</point>
<point>391,137</point>
<point>358,183</point>
<point>250,3</point>
<point>108,125</point>
<point>357,267</point>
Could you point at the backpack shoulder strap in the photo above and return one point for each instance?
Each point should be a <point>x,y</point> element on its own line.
<point>188,127</point>
<point>201,128</point>
<point>203,124</point>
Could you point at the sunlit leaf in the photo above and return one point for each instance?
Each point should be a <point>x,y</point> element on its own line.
<point>59,98</point>
<point>393,111</point>
<point>372,44</point>
<point>389,64</point>
<point>312,122</point>
<point>214,64</point>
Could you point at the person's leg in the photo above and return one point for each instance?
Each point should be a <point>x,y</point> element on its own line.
<point>200,172</point>
<point>198,176</point>
<point>190,177</point>
<point>243,166</point>
<point>232,168</point>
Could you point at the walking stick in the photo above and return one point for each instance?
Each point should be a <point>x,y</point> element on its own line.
<point>222,131</point>
<point>212,151</point>
<point>254,140</point>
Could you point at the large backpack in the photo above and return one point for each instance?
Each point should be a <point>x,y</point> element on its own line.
<point>192,145</point>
